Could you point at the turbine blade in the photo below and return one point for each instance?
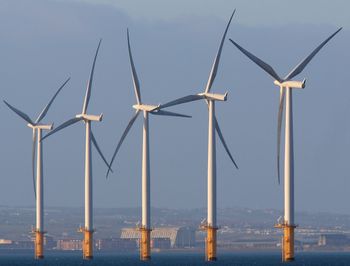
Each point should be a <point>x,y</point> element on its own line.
<point>89,85</point>
<point>62,126</point>
<point>134,74</point>
<point>218,130</point>
<point>44,111</point>
<point>300,67</point>
<point>126,131</point>
<point>186,99</point>
<point>279,129</point>
<point>99,151</point>
<point>33,161</point>
<point>167,113</point>
<point>20,113</point>
<point>215,66</point>
<point>258,61</point>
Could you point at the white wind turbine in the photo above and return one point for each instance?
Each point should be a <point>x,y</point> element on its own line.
<point>37,128</point>
<point>145,253</point>
<point>86,118</point>
<point>214,128</point>
<point>286,85</point>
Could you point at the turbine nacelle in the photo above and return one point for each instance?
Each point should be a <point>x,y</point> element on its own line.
<point>291,84</point>
<point>284,83</point>
<point>214,96</point>
<point>41,126</point>
<point>145,107</point>
<point>90,117</point>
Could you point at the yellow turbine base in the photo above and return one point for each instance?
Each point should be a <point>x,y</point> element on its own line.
<point>145,244</point>
<point>288,243</point>
<point>39,245</point>
<point>88,244</point>
<point>210,244</point>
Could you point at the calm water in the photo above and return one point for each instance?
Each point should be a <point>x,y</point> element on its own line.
<point>174,259</point>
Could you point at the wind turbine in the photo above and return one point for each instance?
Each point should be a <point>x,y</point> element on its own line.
<point>86,118</point>
<point>286,85</point>
<point>37,128</point>
<point>211,98</point>
<point>145,228</point>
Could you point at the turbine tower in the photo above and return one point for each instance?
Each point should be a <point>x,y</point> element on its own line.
<point>38,184</point>
<point>286,85</point>
<point>210,98</point>
<point>86,118</point>
<point>145,228</point>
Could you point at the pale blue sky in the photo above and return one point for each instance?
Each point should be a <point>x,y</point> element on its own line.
<point>43,42</point>
<point>251,12</point>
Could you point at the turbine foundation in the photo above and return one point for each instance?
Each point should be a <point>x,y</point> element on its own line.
<point>287,242</point>
<point>145,244</point>
<point>88,244</point>
<point>39,245</point>
<point>210,244</point>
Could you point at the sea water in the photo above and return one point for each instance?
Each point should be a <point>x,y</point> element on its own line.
<point>13,258</point>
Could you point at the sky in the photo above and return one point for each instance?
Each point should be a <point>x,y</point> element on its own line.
<point>43,42</point>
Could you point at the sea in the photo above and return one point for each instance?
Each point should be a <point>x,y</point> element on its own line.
<point>25,258</point>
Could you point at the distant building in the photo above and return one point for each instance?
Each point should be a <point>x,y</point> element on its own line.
<point>24,244</point>
<point>180,237</point>
<point>161,243</point>
<point>69,244</point>
<point>49,242</point>
<point>333,240</point>
<point>116,244</point>
<point>6,243</point>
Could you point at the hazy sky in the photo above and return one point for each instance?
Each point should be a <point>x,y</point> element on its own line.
<point>174,43</point>
<point>252,12</point>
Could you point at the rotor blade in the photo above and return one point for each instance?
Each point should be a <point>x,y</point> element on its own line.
<point>215,66</point>
<point>300,67</point>
<point>258,61</point>
<point>126,131</point>
<point>167,113</point>
<point>186,99</point>
<point>44,111</point>
<point>279,129</point>
<point>89,85</point>
<point>20,113</point>
<point>134,74</point>
<point>218,130</point>
<point>33,160</point>
<point>62,126</point>
<point>99,151</point>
